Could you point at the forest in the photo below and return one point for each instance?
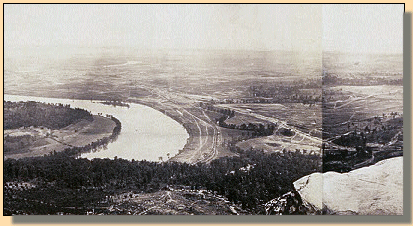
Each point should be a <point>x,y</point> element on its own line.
<point>63,183</point>
<point>52,116</point>
<point>34,114</point>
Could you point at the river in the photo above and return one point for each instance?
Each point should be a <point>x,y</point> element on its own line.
<point>147,134</point>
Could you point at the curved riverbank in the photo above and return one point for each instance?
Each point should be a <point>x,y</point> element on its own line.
<point>98,144</point>
<point>73,139</point>
<point>147,134</point>
<point>176,116</point>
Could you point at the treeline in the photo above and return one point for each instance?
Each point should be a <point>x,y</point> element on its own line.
<point>332,79</point>
<point>256,129</point>
<point>226,112</point>
<point>342,160</point>
<point>373,130</point>
<point>285,94</point>
<point>34,112</point>
<point>293,85</point>
<point>251,179</point>
<point>353,139</point>
<point>116,103</point>
<point>52,116</point>
<point>76,151</point>
<point>372,139</point>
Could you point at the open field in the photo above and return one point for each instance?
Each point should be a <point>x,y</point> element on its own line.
<point>380,67</point>
<point>278,143</point>
<point>44,141</point>
<point>240,119</point>
<point>363,102</point>
<point>304,117</point>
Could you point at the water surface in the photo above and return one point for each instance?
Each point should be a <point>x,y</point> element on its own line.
<point>147,134</point>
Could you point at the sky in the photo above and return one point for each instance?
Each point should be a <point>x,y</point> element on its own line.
<point>250,27</point>
<point>372,28</point>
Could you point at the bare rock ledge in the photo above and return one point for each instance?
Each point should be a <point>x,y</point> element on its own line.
<point>372,190</point>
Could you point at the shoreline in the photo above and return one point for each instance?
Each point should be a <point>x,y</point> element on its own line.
<point>191,136</point>
<point>189,141</point>
<point>69,140</point>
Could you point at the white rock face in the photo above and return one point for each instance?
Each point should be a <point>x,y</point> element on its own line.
<point>372,190</point>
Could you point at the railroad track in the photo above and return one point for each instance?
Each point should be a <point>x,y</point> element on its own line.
<point>204,152</point>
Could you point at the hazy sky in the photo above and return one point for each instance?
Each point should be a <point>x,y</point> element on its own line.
<point>258,27</point>
<point>363,28</point>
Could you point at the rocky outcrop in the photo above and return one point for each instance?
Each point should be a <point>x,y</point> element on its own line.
<point>372,190</point>
<point>289,204</point>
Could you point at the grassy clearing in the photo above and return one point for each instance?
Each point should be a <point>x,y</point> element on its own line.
<point>304,117</point>
<point>43,141</point>
<point>240,119</point>
<point>277,143</point>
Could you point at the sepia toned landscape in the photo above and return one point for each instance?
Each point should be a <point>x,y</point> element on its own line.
<point>232,127</point>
